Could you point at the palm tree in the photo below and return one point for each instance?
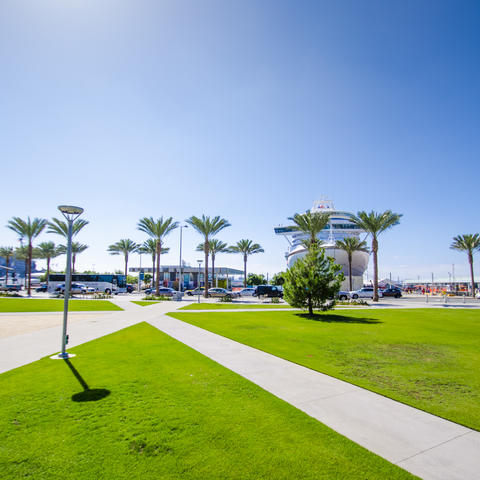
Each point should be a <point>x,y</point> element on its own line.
<point>76,249</point>
<point>246,248</point>
<point>7,254</point>
<point>124,246</point>
<point>60,227</point>
<point>29,229</point>
<point>351,245</point>
<point>468,243</point>
<point>215,246</point>
<point>375,223</point>
<point>208,227</point>
<point>48,250</point>
<point>150,247</point>
<point>158,230</point>
<point>311,223</point>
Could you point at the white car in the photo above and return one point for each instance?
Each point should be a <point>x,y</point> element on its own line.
<point>246,292</point>
<point>74,288</point>
<point>477,295</point>
<point>365,292</point>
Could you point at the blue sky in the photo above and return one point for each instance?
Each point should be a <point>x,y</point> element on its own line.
<point>246,109</point>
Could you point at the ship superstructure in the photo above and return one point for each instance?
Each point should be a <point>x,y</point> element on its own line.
<point>339,227</point>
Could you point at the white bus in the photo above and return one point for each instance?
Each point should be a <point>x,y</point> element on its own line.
<point>108,283</point>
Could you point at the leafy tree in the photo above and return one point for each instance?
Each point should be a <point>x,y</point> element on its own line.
<point>47,251</point>
<point>147,278</point>
<point>7,254</point>
<point>157,229</point>
<point>124,246</point>
<point>256,279</point>
<point>468,243</point>
<point>313,281</point>
<point>351,245</point>
<point>375,223</point>
<point>29,229</point>
<point>278,279</point>
<point>208,227</point>
<point>311,223</point>
<point>215,246</point>
<point>245,247</point>
<point>76,249</point>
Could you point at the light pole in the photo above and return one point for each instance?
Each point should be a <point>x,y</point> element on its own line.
<point>71,214</point>
<point>198,286</point>
<point>180,280</point>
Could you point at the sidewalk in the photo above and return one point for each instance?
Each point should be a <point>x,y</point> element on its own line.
<point>421,443</point>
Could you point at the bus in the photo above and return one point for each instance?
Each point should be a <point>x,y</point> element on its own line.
<point>108,283</point>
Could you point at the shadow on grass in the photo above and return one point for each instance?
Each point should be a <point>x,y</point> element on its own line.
<point>88,394</point>
<point>321,317</point>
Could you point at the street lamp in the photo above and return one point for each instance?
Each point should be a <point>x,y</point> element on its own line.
<point>199,270</point>
<point>71,214</point>
<point>180,280</point>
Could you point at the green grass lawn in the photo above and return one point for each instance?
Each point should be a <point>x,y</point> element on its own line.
<point>427,358</point>
<point>54,305</point>
<point>162,411</point>
<point>144,303</point>
<point>231,306</point>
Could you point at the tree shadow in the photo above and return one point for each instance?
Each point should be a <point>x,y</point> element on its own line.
<point>88,394</point>
<point>328,318</point>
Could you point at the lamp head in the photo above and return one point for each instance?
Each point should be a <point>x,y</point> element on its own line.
<point>70,212</point>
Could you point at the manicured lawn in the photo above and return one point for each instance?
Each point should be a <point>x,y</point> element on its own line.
<point>144,303</point>
<point>231,306</point>
<point>427,358</point>
<point>54,305</point>
<point>163,411</point>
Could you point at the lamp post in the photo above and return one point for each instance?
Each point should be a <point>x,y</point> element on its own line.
<point>180,280</point>
<point>71,214</point>
<point>199,270</point>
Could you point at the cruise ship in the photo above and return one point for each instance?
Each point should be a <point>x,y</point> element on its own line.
<point>339,227</point>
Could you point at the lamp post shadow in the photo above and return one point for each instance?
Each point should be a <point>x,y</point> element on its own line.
<point>88,394</point>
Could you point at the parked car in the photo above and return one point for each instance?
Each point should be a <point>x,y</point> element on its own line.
<point>392,292</point>
<point>343,295</point>
<point>42,288</point>
<point>221,292</point>
<point>165,291</point>
<point>196,291</point>
<point>268,291</point>
<point>130,288</point>
<point>10,287</point>
<point>246,292</point>
<point>365,292</point>
<point>74,288</point>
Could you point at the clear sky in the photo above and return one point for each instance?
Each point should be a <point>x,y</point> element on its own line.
<point>248,109</point>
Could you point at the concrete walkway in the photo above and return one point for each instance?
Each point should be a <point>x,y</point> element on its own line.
<point>423,444</point>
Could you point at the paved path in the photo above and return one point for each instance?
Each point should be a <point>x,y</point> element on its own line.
<point>423,444</point>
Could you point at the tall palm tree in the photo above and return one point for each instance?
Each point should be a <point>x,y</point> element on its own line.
<point>47,251</point>
<point>150,247</point>
<point>60,227</point>
<point>375,223</point>
<point>7,254</point>
<point>208,227</point>
<point>351,245</point>
<point>215,246</point>
<point>124,246</point>
<point>246,248</point>
<point>29,229</point>
<point>76,249</point>
<point>468,243</point>
<point>311,223</point>
<point>157,230</point>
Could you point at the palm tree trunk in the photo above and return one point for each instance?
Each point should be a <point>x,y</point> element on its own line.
<point>244,271</point>
<point>48,269</point>
<point>30,253</point>
<point>350,270</point>
<point>7,264</point>
<point>153,268</point>
<point>472,278</point>
<point>126,266</point>
<point>375,269</point>
<point>159,247</point>
<point>205,292</point>
<point>213,270</point>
